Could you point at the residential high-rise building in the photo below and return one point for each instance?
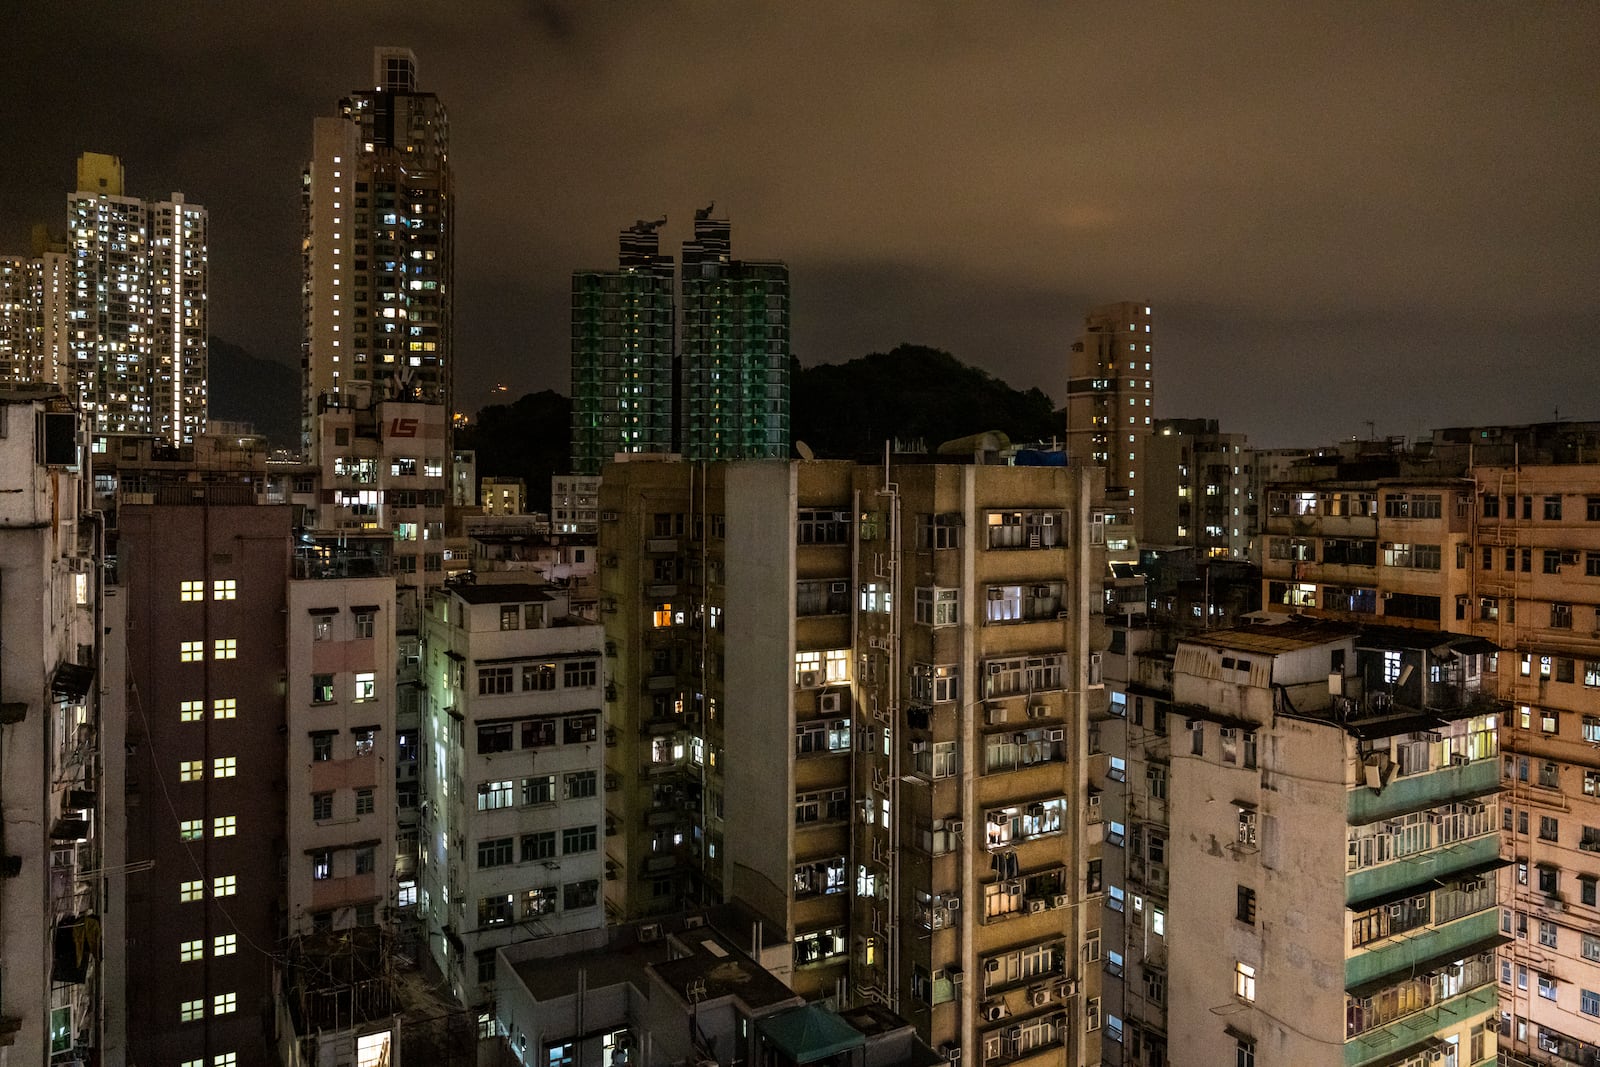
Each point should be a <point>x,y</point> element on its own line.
<point>206,735</point>
<point>624,378</point>
<point>1110,388</point>
<point>378,249</point>
<point>512,824</point>
<point>857,702</point>
<point>116,314</point>
<point>54,904</point>
<point>733,350</point>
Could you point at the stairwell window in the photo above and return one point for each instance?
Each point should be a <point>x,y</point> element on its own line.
<point>938,607</point>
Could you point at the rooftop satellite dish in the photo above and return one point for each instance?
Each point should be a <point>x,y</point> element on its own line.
<point>804,450</point>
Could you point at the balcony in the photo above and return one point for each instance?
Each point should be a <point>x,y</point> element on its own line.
<point>1410,952</point>
<point>1414,792</point>
<point>1380,1044</point>
<point>1422,868</point>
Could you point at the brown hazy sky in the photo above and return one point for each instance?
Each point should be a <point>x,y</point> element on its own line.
<point>1341,213</point>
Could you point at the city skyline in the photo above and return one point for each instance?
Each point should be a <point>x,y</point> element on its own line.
<point>1409,197</point>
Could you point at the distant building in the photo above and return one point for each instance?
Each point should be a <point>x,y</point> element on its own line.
<point>574,504</point>
<point>1110,388</point>
<point>624,381</point>
<point>116,313</point>
<point>503,496</point>
<point>717,391</point>
<point>1197,489</point>
<point>734,350</point>
<point>379,249</point>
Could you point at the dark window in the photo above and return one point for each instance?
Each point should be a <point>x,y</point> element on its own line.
<point>1245,905</point>
<point>495,737</point>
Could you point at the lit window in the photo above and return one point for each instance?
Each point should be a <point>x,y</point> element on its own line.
<point>191,1010</point>
<point>191,651</point>
<point>225,648</point>
<point>366,686</point>
<point>226,708</point>
<point>191,710</point>
<point>188,591</point>
<point>224,944</point>
<point>1244,981</point>
<point>191,770</point>
<point>189,892</point>
<point>225,826</point>
<point>224,1003</point>
<point>225,885</point>
<point>225,589</point>
<point>192,829</point>
<point>225,767</point>
<point>189,951</point>
<point>225,1059</point>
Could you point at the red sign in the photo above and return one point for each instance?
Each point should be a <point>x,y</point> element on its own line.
<point>403,428</point>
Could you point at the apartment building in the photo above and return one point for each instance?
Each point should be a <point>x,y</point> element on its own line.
<point>1535,567</point>
<point>574,504</point>
<point>55,973</point>
<point>1398,549</point>
<point>1526,498</point>
<point>340,716</point>
<point>205,573</point>
<point>1110,397</point>
<point>512,817</point>
<point>1309,847</point>
<point>924,635</point>
<point>1197,489</point>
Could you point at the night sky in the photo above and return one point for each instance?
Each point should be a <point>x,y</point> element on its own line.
<point>1341,213</point>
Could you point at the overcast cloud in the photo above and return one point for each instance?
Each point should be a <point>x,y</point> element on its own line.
<point>1341,213</point>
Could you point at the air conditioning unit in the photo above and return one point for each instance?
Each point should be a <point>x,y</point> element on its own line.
<point>1039,997</point>
<point>991,965</point>
<point>1396,910</point>
<point>1038,711</point>
<point>1035,906</point>
<point>951,1053</point>
<point>650,932</point>
<point>956,826</point>
<point>693,922</point>
<point>997,592</point>
<point>1059,900</point>
<point>1055,735</point>
<point>1459,759</point>
<point>810,679</point>
<point>1014,888</point>
<point>953,903</point>
<point>1386,595</point>
<point>996,714</point>
<point>1067,987</point>
<point>838,587</point>
<point>1013,1033</point>
<point>829,703</point>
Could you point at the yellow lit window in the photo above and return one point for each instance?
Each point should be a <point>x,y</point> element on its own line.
<point>225,944</point>
<point>191,710</point>
<point>226,1059</point>
<point>191,770</point>
<point>191,1010</point>
<point>191,651</point>
<point>189,892</point>
<point>225,767</point>
<point>225,826</point>
<point>189,951</point>
<point>226,708</point>
<point>225,885</point>
<point>224,1003</point>
<point>225,589</point>
<point>192,829</point>
<point>188,591</point>
<point>225,648</point>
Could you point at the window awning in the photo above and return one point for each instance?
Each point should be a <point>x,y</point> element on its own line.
<point>71,681</point>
